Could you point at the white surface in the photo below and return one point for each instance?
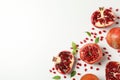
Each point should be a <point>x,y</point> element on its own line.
<point>33,31</point>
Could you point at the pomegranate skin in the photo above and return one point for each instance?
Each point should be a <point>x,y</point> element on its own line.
<point>113,38</point>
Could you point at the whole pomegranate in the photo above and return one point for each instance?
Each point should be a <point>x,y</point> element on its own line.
<point>113,37</point>
<point>64,62</point>
<point>103,17</point>
<point>91,53</point>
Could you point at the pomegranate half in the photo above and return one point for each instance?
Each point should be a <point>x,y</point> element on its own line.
<point>91,53</point>
<point>113,37</point>
<point>64,62</point>
<point>113,70</point>
<point>103,18</point>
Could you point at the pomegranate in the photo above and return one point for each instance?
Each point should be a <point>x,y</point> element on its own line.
<point>113,37</point>
<point>64,62</point>
<point>103,18</point>
<point>91,53</point>
<point>113,71</point>
<point>89,77</point>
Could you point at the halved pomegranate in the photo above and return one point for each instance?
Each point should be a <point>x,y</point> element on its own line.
<point>113,71</point>
<point>91,53</point>
<point>64,62</point>
<point>113,37</point>
<point>103,18</point>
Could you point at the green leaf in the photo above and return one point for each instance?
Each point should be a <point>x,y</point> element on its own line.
<point>88,33</point>
<point>73,73</point>
<point>57,77</point>
<point>74,45</point>
<point>97,40</point>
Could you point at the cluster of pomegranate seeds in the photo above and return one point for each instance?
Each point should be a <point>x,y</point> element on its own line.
<point>52,70</point>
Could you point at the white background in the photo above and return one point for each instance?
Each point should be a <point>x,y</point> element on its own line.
<point>33,31</point>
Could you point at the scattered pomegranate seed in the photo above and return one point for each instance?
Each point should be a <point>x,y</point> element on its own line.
<point>94,36</point>
<point>93,28</point>
<point>95,33</point>
<point>106,52</point>
<point>91,39</point>
<point>108,58</point>
<point>81,42</point>
<point>77,45</point>
<point>84,41</point>
<point>85,69</point>
<point>85,65</point>
<point>71,48</point>
<point>50,70</point>
<point>79,64</point>
<point>65,77</point>
<point>110,8</point>
<point>117,22</point>
<point>76,50</point>
<point>92,33</point>
<point>99,63</point>
<point>117,9</point>
<point>100,32</point>
<point>73,79</point>
<point>104,48</point>
<point>91,67</point>
<point>109,55</point>
<point>97,69</point>
<point>103,54</point>
<point>104,31</point>
<point>78,59</point>
<point>87,38</point>
<point>118,17</point>
<point>54,72</point>
<point>78,74</point>
<point>53,68</point>
<point>77,67</point>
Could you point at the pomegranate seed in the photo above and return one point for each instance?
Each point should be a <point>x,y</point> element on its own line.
<point>94,36</point>
<point>95,33</point>
<point>78,59</point>
<point>65,77</point>
<point>99,63</point>
<point>77,67</point>
<point>117,22</point>
<point>106,52</point>
<point>91,33</point>
<point>77,45</point>
<point>50,70</point>
<point>87,38</point>
<point>53,68</point>
<point>104,48</point>
<point>97,69</point>
<point>108,58</point>
<point>79,64</point>
<point>118,17</point>
<point>81,42</point>
<point>93,28</point>
<point>78,74</point>
<point>103,54</point>
<point>91,39</point>
<point>85,65</point>
<point>91,67</point>
<point>100,32</point>
<point>73,79</point>
<point>110,8</point>
<point>71,48</point>
<point>76,50</point>
<point>54,72</point>
<point>85,69</point>
<point>84,41</point>
<point>117,9</point>
<point>109,55</point>
<point>101,37</point>
<point>104,31</point>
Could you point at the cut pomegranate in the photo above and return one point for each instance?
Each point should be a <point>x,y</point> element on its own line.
<point>103,18</point>
<point>113,71</point>
<point>64,62</point>
<point>91,53</point>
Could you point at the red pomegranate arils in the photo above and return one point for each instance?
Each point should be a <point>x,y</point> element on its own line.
<point>50,70</point>
<point>104,48</point>
<point>84,41</point>
<point>91,67</point>
<point>117,22</point>
<point>65,77</point>
<point>53,68</point>
<point>91,39</point>
<point>78,74</point>
<point>94,36</point>
<point>77,45</point>
<point>81,42</point>
<point>77,67</point>
<point>104,31</point>
<point>79,64</point>
<point>54,72</point>
<point>103,54</point>
<point>87,38</point>
<point>109,55</point>
<point>118,17</point>
<point>73,79</point>
<point>106,52</point>
<point>99,63</point>
<point>108,58</point>
<point>117,9</point>
<point>91,33</point>
<point>93,28</point>
<point>97,69</point>
<point>85,69</point>
<point>78,59</point>
<point>85,65</point>
<point>110,8</point>
<point>100,32</point>
<point>95,33</point>
<point>119,51</point>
